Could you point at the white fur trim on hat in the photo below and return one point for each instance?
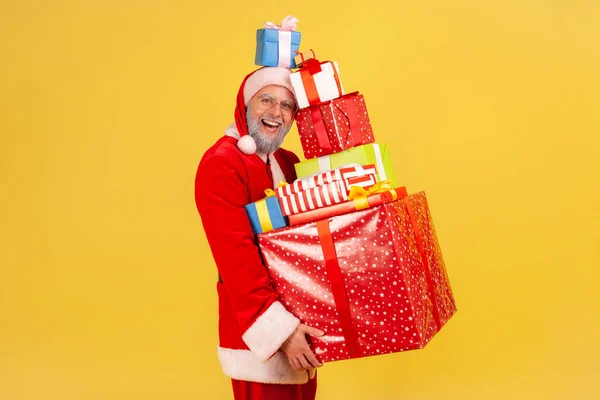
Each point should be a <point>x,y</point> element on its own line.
<point>265,77</point>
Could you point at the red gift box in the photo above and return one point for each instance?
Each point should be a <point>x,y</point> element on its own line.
<point>324,195</point>
<point>373,280</point>
<point>334,125</point>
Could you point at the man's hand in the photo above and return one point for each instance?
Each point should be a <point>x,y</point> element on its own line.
<point>296,348</point>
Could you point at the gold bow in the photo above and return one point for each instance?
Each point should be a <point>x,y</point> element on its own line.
<point>360,194</point>
<point>271,192</point>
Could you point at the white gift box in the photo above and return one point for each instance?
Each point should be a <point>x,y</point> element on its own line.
<point>325,83</point>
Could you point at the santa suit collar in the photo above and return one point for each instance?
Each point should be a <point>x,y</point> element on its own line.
<point>276,171</point>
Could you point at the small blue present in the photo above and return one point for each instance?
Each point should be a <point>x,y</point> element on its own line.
<point>265,215</point>
<point>277,45</point>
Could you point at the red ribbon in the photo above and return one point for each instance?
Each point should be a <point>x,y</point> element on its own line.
<point>421,247</point>
<point>352,122</point>
<point>302,60</point>
<point>309,86</point>
<point>312,65</point>
<point>308,69</point>
<point>337,78</point>
<point>338,289</point>
<point>320,130</point>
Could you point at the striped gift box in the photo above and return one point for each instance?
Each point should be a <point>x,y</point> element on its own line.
<point>323,178</point>
<point>323,195</point>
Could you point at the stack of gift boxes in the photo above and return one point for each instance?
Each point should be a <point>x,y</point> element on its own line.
<point>348,250</point>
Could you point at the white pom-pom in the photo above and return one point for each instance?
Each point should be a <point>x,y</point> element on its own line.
<point>247,145</point>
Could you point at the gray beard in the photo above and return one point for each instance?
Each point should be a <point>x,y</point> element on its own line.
<point>265,143</point>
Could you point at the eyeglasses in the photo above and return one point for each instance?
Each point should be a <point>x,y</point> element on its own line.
<point>266,102</point>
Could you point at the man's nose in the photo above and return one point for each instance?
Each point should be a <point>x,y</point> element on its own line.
<point>275,111</point>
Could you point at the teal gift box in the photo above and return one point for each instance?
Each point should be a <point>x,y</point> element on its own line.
<point>270,51</point>
<point>265,215</point>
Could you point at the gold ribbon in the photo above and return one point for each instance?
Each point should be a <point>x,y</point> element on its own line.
<point>263,215</point>
<point>360,194</point>
<point>264,219</point>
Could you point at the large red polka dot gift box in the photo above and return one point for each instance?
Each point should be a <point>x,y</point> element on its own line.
<point>374,280</point>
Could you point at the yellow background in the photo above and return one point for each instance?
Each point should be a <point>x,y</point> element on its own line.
<point>107,283</point>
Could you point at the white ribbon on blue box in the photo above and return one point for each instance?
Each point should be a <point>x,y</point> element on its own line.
<point>276,45</point>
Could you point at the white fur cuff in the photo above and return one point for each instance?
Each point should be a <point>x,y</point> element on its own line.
<point>266,335</point>
<point>243,365</point>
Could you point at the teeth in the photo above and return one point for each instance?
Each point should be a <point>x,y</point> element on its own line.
<point>275,124</point>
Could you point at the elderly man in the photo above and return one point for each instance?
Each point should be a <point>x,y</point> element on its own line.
<point>262,346</point>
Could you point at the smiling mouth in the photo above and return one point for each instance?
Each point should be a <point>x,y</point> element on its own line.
<point>270,126</point>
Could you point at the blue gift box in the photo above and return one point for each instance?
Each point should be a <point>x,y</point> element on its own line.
<point>267,47</point>
<point>265,215</point>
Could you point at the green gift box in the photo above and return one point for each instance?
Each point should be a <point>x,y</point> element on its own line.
<point>372,153</point>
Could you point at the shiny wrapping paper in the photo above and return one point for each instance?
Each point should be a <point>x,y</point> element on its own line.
<point>373,280</point>
<point>323,195</point>
<point>346,207</point>
<point>335,125</point>
<point>323,178</point>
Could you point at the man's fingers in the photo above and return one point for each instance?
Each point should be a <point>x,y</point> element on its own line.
<point>304,362</point>
<point>294,363</point>
<point>313,331</point>
<point>310,357</point>
<point>298,351</point>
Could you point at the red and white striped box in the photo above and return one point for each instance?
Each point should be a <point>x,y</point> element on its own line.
<point>323,178</point>
<point>323,195</point>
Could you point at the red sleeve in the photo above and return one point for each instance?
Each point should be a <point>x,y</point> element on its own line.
<point>293,157</point>
<point>286,160</point>
<point>221,194</point>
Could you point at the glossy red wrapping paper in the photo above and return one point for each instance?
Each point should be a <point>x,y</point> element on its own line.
<point>373,280</point>
<point>347,206</point>
<point>334,125</point>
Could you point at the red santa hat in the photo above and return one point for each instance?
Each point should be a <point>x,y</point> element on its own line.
<point>251,85</point>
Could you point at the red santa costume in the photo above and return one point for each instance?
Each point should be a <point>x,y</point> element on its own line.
<point>253,324</point>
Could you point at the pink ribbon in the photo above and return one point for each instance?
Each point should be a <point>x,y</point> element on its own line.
<point>288,24</point>
<point>285,39</point>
